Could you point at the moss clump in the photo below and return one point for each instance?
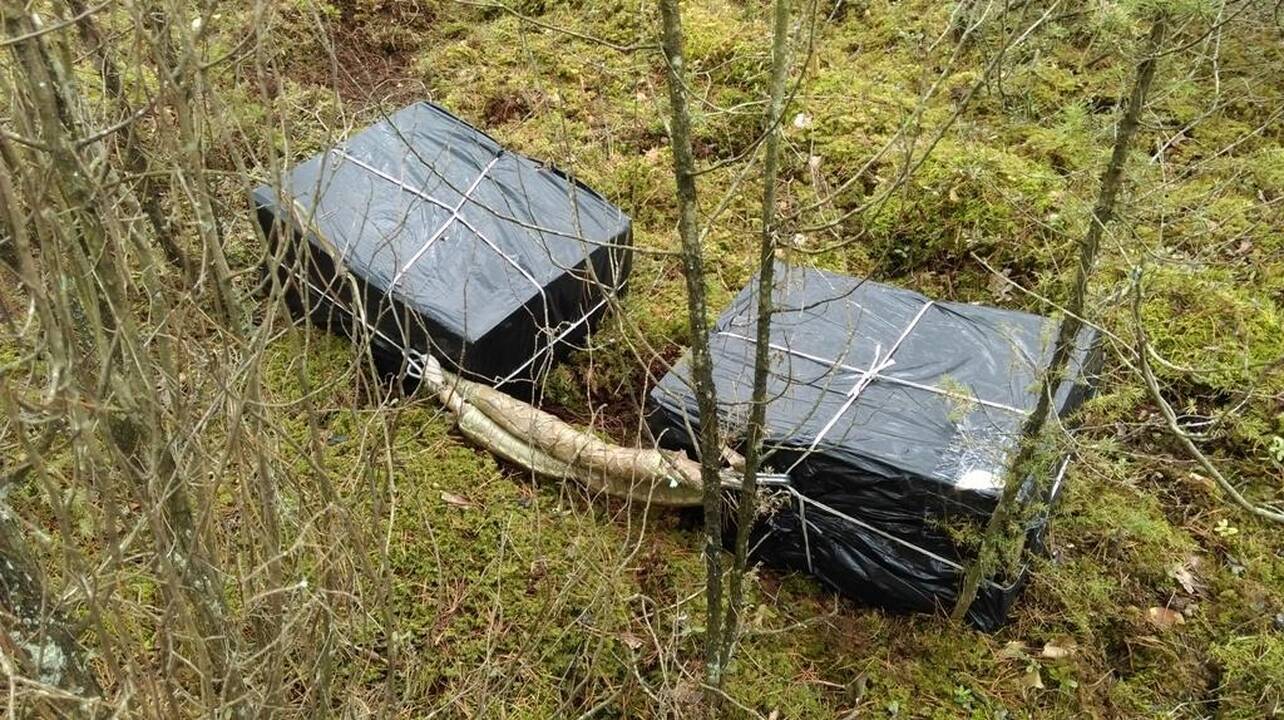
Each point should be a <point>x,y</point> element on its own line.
<point>1251,667</point>
<point>1267,168</point>
<point>982,197</point>
<point>1198,317</point>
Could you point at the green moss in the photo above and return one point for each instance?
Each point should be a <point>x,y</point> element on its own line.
<point>1197,316</point>
<point>1251,668</point>
<point>1267,167</point>
<point>983,199</point>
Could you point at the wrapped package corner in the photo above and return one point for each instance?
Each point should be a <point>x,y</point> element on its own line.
<point>446,243</point>
<point>892,416</point>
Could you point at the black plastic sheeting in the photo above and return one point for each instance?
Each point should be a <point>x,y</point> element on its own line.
<point>447,243</point>
<point>918,449</point>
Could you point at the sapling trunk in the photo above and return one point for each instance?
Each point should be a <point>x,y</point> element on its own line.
<point>148,195</point>
<point>39,640</point>
<point>996,531</point>
<point>47,643</point>
<point>709,442</point>
<point>748,498</point>
<point>80,230</point>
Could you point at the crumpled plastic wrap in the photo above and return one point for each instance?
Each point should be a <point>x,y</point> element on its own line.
<point>892,416</point>
<point>449,244</point>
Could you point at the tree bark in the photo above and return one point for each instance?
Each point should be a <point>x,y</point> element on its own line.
<point>148,195</point>
<point>709,442</point>
<point>34,631</point>
<point>1089,247</point>
<point>131,422</point>
<point>748,498</point>
<point>29,628</point>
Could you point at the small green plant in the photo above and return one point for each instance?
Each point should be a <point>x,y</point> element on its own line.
<point>963,696</point>
<point>1276,448</point>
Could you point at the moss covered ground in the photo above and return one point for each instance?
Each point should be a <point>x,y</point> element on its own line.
<point>510,597</point>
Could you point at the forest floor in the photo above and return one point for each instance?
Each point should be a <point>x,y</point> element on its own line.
<point>517,598</point>
<point>520,599</point>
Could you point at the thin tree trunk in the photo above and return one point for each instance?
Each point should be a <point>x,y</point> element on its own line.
<point>748,501</point>
<point>710,444</point>
<point>133,428</point>
<point>148,195</point>
<point>1102,213</point>
<point>34,632</point>
<point>28,625</point>
<point>182,83</point>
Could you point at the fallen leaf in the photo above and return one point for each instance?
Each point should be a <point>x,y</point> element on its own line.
<point>1184,574</point>
<point>1053,651</point>
<point>1013,650</point>
<point>1201,481</point>
<point>456,500</point>
<point>1164,618</point>
<point>1032,679</point>
<point>633,642</point>
<point>999,286</point>
<point>1185,578</point>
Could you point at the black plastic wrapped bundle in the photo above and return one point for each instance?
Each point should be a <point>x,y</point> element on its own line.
<point>891,416</point>
<point>445,242</point>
